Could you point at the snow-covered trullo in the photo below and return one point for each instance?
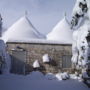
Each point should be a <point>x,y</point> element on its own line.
<point>26,44</point>
<point>81,42</point>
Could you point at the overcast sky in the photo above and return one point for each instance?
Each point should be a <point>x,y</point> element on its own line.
<point>44,14</point>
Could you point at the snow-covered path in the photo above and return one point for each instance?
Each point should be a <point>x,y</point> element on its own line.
<point>38,82</point>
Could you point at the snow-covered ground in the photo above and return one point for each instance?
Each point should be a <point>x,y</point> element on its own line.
<point>37,81</point>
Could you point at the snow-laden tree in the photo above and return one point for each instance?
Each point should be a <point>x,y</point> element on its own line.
<point>81,36</point>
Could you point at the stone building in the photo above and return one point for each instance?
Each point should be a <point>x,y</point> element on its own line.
<point>23,55</point>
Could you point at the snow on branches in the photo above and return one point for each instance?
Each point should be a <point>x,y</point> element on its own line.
<point>81,40</point>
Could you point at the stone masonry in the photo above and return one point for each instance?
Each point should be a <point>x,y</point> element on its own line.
<point>35,51</point>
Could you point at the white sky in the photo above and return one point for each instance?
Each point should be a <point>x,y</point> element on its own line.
<point>44,14</point>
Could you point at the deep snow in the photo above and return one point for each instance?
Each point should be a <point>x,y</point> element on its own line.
<point>37,81</point>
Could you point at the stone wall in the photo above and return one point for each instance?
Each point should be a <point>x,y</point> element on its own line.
<point>35,51</point>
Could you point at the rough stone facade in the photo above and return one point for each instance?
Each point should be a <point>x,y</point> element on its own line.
<point>35,51</point>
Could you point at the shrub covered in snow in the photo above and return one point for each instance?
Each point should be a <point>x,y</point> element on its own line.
<point>62,76</point>
<point>36,64</point>
<point>46,58</point>
<point>61,32</point>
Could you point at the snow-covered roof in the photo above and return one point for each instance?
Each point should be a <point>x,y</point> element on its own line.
<point>39,41</point>
<point>22,29</point>
<point>61,32</point>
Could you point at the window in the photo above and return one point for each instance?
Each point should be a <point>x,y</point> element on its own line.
<point>66,61</point>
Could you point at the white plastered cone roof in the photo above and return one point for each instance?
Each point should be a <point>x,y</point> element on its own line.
<point>61,32</point>
<point>21,30</point>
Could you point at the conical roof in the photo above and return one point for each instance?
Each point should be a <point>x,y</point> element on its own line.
<point>61,32</point>
<point>21,30</point>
